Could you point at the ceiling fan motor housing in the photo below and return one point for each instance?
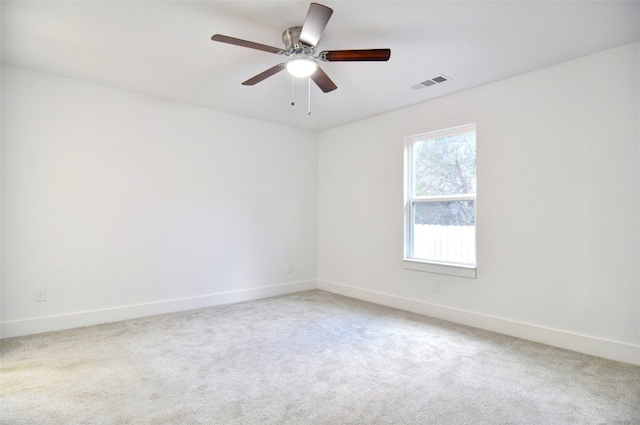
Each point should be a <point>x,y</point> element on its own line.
<point>301,63</point>
<point>291,40</point>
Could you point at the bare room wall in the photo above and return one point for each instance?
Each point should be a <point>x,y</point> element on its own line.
<point>557,209</point>
<point>123,205</point>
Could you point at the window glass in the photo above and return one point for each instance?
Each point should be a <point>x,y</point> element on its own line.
<point>441,197</point>
<point>445,166</point>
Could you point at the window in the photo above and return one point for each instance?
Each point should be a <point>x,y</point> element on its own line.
<point>440,200</point>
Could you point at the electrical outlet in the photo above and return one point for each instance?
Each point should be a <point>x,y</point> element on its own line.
<point>436,286</point>
<point>290,269</point>
<point>40,295</point>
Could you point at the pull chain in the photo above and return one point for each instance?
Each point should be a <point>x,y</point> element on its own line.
<point>293,91</point>
<point>309,96</point>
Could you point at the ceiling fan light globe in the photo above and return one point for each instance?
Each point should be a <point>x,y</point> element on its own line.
<point>301,67</point>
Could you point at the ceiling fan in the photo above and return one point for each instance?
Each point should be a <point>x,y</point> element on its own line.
<point>300,47</point>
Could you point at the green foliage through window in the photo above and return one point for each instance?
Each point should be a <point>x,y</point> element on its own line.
<point>445,213</point>
<point>445,166</point>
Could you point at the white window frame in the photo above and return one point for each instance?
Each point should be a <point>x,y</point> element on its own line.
<point>419,264</point>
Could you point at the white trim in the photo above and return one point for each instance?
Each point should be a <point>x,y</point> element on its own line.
<point>410,199</point>
<point>613,350</point>
<point>607,349</point>
<point>439,134</point>
<point>439,198</point>
<point>459,270</point>
<point>94,317</point>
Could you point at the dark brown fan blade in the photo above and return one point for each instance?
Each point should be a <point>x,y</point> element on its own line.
<point>355,55</point>
<point>323,81</point>
<point>264,75</point>
<point>244,43</point>
<point>314,24</point>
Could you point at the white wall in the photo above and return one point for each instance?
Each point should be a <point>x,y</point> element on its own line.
<point>123,205</point>
<point>557,211</point>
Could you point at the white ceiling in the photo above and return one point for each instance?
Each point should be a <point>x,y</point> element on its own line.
<point>164,48</point>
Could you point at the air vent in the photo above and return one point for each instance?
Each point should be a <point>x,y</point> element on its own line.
<point>428,83</point>
<point>431,82</point>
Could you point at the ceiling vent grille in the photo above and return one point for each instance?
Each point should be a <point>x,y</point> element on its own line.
<point>431,82</point>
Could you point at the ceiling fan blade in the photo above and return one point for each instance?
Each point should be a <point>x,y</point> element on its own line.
<point>355,55</point>
<point>244,43</point>
<point>314,24</point>
<point>264,75</point>
<point>323,81</point>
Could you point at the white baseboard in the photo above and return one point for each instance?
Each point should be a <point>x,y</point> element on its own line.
<point>613,350</point>
<point>581,343</point>
<point>94,317</point>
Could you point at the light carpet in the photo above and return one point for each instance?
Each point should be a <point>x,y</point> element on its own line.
<point>305,358</point>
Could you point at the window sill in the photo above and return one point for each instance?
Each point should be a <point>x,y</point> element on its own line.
<point>448,269</point>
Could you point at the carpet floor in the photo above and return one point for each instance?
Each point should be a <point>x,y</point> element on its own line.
<point>305,358</point>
